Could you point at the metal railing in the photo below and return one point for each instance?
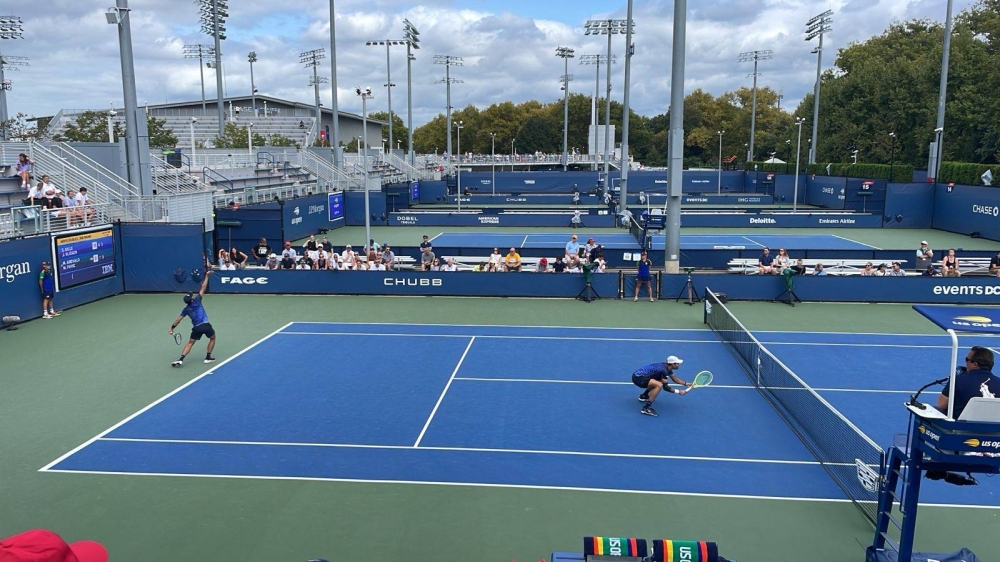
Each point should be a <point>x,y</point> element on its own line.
<point>67,175</point>
<point>30,220</point>
<point>218,179</point>
<point>263,195</point>
<point>412,172</point>
<point>171,179</point>
<point>93,169</point>
<point>335,178</point>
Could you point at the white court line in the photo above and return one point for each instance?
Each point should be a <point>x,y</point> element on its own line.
<point>435,237</point>
<point>211,370</point>
<point>935,335</point>
<point>855,242</point>
<point>729,386</point>
<point>715,341</point>
<point>501,486</point>
<point>443,392</point>
<point>762,246</point>
<point>525,241</point>
<point>474,450</point>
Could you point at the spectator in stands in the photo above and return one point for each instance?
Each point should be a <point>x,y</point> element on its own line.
<point>373,246</point>
<point>83,203</point>
<point>72,213</point>
<point>765,263</point>
<point>576,221</point>
<point>589,247</point>
<point>572,247</point>
<point>543,266</point>
<point>496,260</point>
<point>799,268</point>
<point>238,258</point>
<point>23,169</point>
<point>262,251</point>
<point>819,269</point>
<point>896,270</point>
<point>234,206</point>
<point>435,265</point>
<point>371,255</point>
<point>288,260</point>
<point>929,272</point>
<point>559,265</point>
<point>781,261</point>
<point>310,246</point>
<point>303,263</point>
<point>599,263</point>
<point>449,265</point>
<point>222,256</point>
<point>482,267</point>
<point>327,245</point>
<point>576,195</point>
<point>995,265</point>
<point>881,271</point>
<point>308,261</point>
<point>949,265</point>
<point>924,252</point>
<point>336,262</point>
<point>272,262</point>
<point>976,380</point>
<point>868,271</point>
<point>227,265</point>
<point>388,258</point>
<point>573,267</point>
<point>512,261</point>
<point>347,258</point>
<point>642,197</point>
<point>322,260</point>
<point>289,252</point>
<point>426,253</point>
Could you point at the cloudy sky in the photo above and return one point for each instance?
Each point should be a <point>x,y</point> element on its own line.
<point>508,48</point>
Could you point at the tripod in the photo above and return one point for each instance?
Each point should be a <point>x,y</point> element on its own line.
<point>792,297</point>
<point>588,294</point>
<point>692,292</point>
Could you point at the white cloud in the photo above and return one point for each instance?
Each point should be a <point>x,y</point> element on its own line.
<point>507,53</point>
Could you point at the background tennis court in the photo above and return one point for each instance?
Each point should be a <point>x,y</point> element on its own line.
<point>281,391</point>
<point>614,240</point>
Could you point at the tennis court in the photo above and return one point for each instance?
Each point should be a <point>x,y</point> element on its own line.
<point>449,409</point>
<point>621,241</point>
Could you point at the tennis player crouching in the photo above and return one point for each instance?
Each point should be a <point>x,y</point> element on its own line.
<point>651,378</point>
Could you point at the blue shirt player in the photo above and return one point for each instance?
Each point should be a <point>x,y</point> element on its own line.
<point>194,310</point>
<point>650,378</point>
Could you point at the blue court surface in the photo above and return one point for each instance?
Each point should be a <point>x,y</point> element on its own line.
<point>548,407</point>
<point>623,241</point>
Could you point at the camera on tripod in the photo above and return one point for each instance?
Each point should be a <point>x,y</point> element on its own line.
<point>689,270</point>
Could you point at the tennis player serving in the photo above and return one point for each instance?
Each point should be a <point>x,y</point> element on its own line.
<point>194,310</point>
<point>651,378</point>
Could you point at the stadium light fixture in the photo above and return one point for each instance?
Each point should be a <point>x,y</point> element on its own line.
<point>448,61</point>
<point>11,27</point>
<point>607,27</point>
<point>412,43</point>
<point>565,53</point>
<point>817,27</point>
<point>388,71</point>
<point>213,14</point>
<point>7,63</point>
<point>756,57</point>
<point>365,95</point>
<point>597,61</point>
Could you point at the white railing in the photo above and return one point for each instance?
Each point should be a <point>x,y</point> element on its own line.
<point>265,194</point>
<point>92,168</point>
<point>27,221</point>
<point>171,179</point>
<point>411,172</point>
<point>66,176</point>
<point>327,172</point>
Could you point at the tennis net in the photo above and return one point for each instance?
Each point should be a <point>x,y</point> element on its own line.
<point>852,459</point>
<point>639,233</point>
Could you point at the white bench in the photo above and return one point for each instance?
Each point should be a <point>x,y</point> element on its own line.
<point>469,263</point>
<point>748,266</point>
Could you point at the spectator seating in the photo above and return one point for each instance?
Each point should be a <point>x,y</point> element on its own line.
<point>469,263</point>
<point>748,266</point>
<point>970,266</point>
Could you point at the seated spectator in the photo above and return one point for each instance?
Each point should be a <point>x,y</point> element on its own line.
<point>373,245</point>
<point>322,260</point>
<point>607,198</point>
<point>512,261</point>
<point>262,251</point>
<point>238,258</point>
<point>576,195</point>
<point>929,272</point>
<point>496,260</point>
<point>868,271</point>
<point>310,246</point>
<point>819,269</point>
<point>72,213</point>
<point>625,218</point>
<point>573,267</point>
<point>348,258</point>
<point>435,265</point>
<point>327,245</point>
<point>765,263</point>
<point>290,252</point>
<point>881,271</point>
<point>336,262</point>
<point>449,265</point>
<point>572,247</point>
<point>781,261</point>
<point>227,265</point>
<point>949,265</point>
<point>600,264</point>
<point>559,265</point>
<point>388,258</point>
<point>995,265</point>
<point>543,266</point>
<point>642,197</point>
<point>799,268</point>
<point>304,263</point>
<point>576,221</point>
<point>896,270</point>
<point>272,262</point>
<point>482,267</point>
<point>426,252</point>
<point>287,261</point>
<point>83,204</point>
<point>222,256</point>
<point>23,168</point>
<point>589,247</point>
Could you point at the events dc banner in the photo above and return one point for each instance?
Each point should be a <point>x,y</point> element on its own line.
<point>410,283</point>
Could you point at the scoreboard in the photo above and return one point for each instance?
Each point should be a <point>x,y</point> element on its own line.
<point>83,257</point>
<point>336,205</point>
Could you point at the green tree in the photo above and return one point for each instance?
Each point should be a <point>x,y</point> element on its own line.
<point>234,136</point>
<point>399,130</point>
<point>160,136</point>
<point>90,126</point>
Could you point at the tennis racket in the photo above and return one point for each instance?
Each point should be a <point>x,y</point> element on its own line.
<point>178,338</point>
<point>703,378</point>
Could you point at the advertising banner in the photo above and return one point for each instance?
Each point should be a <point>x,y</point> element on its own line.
<point>601,218</point>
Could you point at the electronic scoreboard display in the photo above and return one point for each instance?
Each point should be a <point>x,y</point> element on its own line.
<point>83,257</point>
<point>336,205</point>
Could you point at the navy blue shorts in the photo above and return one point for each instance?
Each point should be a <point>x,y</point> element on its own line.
<point>641,382</point>
<point>205,329</point>
<point>48,294</point>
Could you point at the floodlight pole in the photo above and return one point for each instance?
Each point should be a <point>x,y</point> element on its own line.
<point>817,27</point>
<point>252,58</point>
<point>565,53</point>
<point>756,57</point>
<point>388,88</point>
<point>136,133</point>
<point>676,142</point>
<point>194,149</point>
<point>458,126</point>
<point>798,148</point>
<point>218,65</point>
<point>448,61</point>
<point>311,59</point>
<point>934,161</point>
<point>720,160</point>
<point>412,42</point>
<point>11,30</point>
<point>629,51</point>
<point>335,130</point>
<point>493,161</point>
<point>892,153</point>
<point>365,94</point>
<point>607,121</point>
